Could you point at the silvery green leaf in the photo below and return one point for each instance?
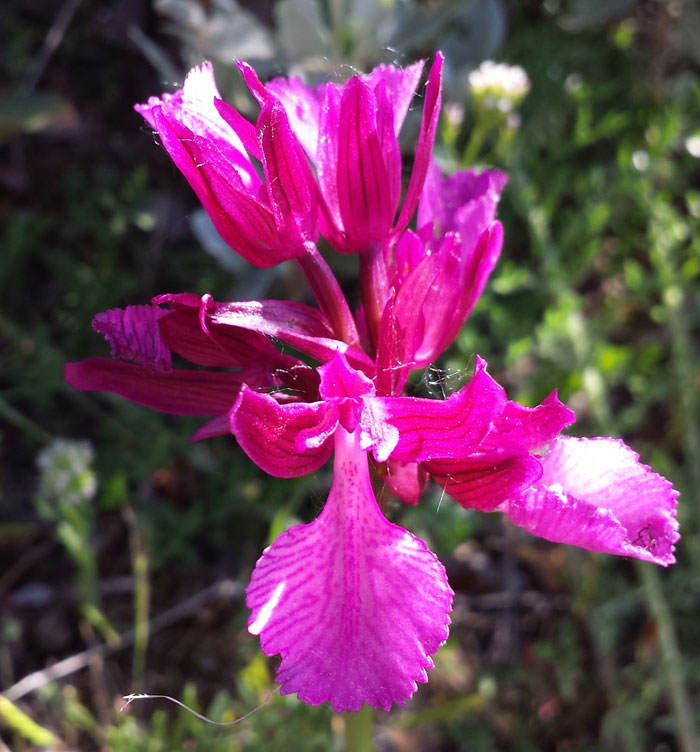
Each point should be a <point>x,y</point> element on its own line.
<point>372,26</point>
<point>224,33</point>
<point>203,229</point>
<point>252,282</point>
<point>301,30</point>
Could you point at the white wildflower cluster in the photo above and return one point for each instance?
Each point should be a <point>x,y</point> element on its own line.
<point>66,473</point>
<point>499,86</point>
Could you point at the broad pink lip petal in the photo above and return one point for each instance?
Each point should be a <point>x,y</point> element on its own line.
<point>594,493</point>
<point>354,604</point>
<point>133,334</point>
<point>284,440</point>
<point>485,482</point>
<point>429,429</point>
<point>178,391</point>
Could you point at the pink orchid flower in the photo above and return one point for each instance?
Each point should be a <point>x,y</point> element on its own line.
<point>355,605</point>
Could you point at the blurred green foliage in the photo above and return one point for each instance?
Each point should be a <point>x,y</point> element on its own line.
<point>596,294</point>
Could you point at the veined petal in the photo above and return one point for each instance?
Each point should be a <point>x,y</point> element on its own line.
<point>406,479</point>
<point>484,482</point>
<point>426,139</point>
<point>462,278</point>
<point>463,202</point>
<point>290,184</point>
<point>302,104</point>
<point>296,324</point>
<point>594,493</point>
<point>284,440</point>
<point>401,85</point>
<point>133,334</point>
<point>177,391</point>
<point>194,107</point>
<point>354,604</point>
<point>242,221</point>
<point>429,429</point>
<point>520,428</point>
<point>338,380</point>
<point>364,193</point>
<point>182,332</point>
<point>243,128</point>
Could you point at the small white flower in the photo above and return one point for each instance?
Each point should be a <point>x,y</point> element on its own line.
<point>499,86</point>
<point>692,144</point>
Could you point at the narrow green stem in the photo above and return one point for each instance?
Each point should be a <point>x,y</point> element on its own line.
<point>476,139</point>
<point>358,730</point>
<point>671,659</point>
<point>142,593</point>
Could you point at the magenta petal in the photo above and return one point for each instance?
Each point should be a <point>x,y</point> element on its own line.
<point>364,191</point>
<point>484,482</point>
<point>463,202</point>
<point>296,324</point>
<point>194,107</point>
<point>354,604</point>
<point>520,428</point>
<point>218,426</point>
<point>427,429</point>
<point>179,391</point>
<point>400,83</point>
<point>231,347</point>
<point>594,493</point>
<point>290,184</point>
<point>302,105</point>
<point>462,278</point>
<point>426,138</point>
<point>133,334</point>
<point>243,128</point>
<point>339,380</point>
<point>284,440</point>
<point>407,480</point>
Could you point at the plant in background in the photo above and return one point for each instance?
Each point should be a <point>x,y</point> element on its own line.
<point>67,487</point>
<point>356,605</point>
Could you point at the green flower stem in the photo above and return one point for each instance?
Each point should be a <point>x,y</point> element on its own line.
<point>671,659</point>
<point>476,139</point>
<point>358,730</point>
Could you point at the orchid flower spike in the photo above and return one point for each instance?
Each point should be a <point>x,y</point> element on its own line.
<point>357,606</point>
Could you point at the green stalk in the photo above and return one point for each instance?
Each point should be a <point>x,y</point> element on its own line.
<point>672,662</point>
<point>476,139</point>
<point>358,730</point>
<point>142,595</point>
